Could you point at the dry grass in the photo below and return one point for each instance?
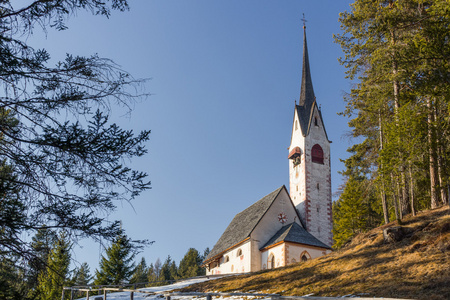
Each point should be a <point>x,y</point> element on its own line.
<point>417,267</point>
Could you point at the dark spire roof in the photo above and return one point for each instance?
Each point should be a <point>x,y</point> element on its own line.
<point>307,101</point>
<point>307,97</point>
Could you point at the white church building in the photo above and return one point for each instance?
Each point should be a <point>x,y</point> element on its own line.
<point>286,227</point>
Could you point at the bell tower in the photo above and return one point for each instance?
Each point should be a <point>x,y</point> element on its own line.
<point>309,160</point>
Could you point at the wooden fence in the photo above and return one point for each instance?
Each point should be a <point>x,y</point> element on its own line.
<point>102,292</point>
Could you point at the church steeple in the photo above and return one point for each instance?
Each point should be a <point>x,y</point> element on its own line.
<point>307,101</point>
<point>307,97</point>
<point>309,160</point>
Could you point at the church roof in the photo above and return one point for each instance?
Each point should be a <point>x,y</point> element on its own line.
<point>243,224</point>
<point>296,234</point>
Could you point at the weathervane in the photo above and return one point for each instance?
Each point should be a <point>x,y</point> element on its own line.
<point>304,21</point>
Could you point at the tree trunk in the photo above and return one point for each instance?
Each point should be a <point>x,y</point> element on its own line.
<point>394,195</point>
<point>383,191</point>
<point>432,154</point>
<point>403,196</point>
<point>411,190</point>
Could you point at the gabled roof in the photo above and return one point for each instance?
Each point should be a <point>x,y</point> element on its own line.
<point>243,224</point>
<point>296,234</point>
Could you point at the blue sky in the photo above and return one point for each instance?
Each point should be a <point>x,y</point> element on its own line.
<point>223,77</point>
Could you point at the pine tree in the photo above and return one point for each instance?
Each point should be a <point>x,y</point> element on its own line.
<point>399,53</point>
<point>61,156</point>
<point>151,276</point>
<point>140,273</point>
<point>167,270</point>
<point>190,265</point>
<point>56,274</point>
<point>82,275</point>
<point>12,280</point>
<point>117,267</point>
<point>41,245</point>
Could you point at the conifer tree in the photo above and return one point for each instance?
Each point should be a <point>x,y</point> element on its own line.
<point>117,266</point>
<point>190,264</point>
<point>151,276</point>
<point>398,51</point>
<point>168,270</point>
<point>140,273</point>
<point>61,157</point>
<point>57,272</point>
<point>82,275</point>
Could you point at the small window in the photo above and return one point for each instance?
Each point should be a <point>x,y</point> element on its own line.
<point>239,253</point>
<point>304,258</point>
<point>296,125</point>
<point>227,258</point>
<point>318,186</point>
<point>315,122</point>
<point>317,154</point>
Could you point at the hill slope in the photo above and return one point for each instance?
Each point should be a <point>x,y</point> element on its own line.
<point>416,266</point>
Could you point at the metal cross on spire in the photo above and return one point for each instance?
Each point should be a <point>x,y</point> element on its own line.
<point>304,21</point>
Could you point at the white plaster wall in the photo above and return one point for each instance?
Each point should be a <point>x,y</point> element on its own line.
<point>269,225</point>
<point>313,204</point>
<point>278,252</point>
<point>297,187</point>
<point>295,251</point>
<point>236,264</point>
<point>319,211</point>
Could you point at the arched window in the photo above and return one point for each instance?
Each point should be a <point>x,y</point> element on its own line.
<point>317,154</point>
<point>271,262</point>
<point>315,122</point>
<point>305,256</point>
<point>239,253</point>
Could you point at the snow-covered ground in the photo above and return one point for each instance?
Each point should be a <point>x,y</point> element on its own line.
<point>156,289</point>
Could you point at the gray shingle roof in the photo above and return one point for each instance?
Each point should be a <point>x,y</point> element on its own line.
<point>243,224</point>
<point>296,234</point>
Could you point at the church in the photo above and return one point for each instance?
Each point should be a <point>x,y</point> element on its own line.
<point>286,227</point>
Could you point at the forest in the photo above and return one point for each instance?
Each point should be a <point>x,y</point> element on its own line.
<point>397,56</point>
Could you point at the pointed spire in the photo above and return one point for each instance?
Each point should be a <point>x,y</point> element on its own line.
<point>306,92</point>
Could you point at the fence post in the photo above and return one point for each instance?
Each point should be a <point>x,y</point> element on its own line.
<point>167,297</point>
<point>104,294</point>
<point>71,294</point>
<point>208,297</point>
<point>87,295</point>
<point>62,297</point>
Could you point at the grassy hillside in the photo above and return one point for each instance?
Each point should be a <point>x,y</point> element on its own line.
<point>417,266</point>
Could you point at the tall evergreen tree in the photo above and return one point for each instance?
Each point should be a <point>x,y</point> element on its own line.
<point>168,270</point>
<point>190,265</point>
<point>41,245</point>
<point>117,266</point>
<point>12,280</point>
<point>399,53</point>
<point>56,275</point>
<point>82,275</point>
<point>60,154</point>
<point>140,273</point>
